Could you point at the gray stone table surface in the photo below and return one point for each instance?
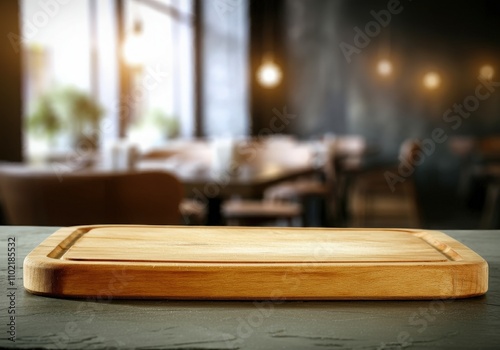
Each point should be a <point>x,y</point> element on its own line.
<point>52,323</point>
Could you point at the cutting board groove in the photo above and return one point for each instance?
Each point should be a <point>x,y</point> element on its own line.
<point>186,262</point>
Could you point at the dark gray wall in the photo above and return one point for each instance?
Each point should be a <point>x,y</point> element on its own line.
<point>317,79</point>
<point>330,94</point>
<point>10,85</point>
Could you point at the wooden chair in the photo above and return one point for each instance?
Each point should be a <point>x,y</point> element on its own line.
<point>488,149</point>
<point>193,211</point>
<point>258,212</point>
<point>193,154</point>
<point>42,198</point>
<point>316,189</point>
<point>278,150</point>
<point>372,203</point>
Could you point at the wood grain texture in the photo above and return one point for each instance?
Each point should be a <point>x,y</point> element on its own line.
<point>179,262</point>
<point>103,322</point>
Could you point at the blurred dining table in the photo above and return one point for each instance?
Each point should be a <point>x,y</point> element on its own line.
<point>212,171</point>
<point>246,174</point>
<point>212,187</point>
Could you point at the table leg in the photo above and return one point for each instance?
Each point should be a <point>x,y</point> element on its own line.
<point>214,214</point>
<point>488,220</point>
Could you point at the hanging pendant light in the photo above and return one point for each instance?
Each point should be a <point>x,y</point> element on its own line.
<point>269,74</point>
<point>385,65</point>
<point>134,46</point>
<point>432,80</point>
<point>384,68</point>
<point>487,72</point>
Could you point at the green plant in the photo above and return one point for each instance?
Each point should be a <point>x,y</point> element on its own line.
<point>65,109</point>
<point>79,107</point>
<point>44,121</point>
<point>167,125</point>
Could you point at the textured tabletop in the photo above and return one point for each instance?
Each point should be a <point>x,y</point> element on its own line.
<point>101,323</point>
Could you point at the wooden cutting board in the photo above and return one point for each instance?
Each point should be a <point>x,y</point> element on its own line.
<point>187,262</point>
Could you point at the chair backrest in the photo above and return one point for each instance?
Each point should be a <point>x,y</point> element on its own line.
<point>409,150</point>
<point>350,145</point>
<point>41,198</point>
<point>284,153</point>
<point>489,147</point>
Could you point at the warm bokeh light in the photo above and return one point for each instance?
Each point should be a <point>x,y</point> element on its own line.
<point>134,47</point>
<point>384,68</point>
<point>432,80</point>
<point>487,72</point>
<point>269,74</point>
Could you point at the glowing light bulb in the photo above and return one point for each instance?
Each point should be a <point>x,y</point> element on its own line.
<point>384,68</point>
<point>134,47</point>
<point>269,74</point>
<point>432,80</point>
<point>487,72</point>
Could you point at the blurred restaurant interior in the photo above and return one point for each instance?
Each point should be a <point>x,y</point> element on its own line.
<point>334,113</point>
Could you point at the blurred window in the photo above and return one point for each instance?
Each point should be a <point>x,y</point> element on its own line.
<point>70,56</point>
<point>162,82</point>
<point>55,44</point>
<point>225,67</point>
